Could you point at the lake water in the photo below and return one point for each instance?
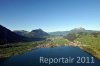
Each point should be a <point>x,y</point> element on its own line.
<point>32,58</point>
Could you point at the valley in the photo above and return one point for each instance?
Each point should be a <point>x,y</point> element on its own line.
<point>87,40</point>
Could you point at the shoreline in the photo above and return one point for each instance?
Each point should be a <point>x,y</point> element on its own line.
<point>49,45</point>
<point>87,49</point>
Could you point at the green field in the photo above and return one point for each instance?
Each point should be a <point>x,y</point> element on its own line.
<point>92,44</point>
<point>8,50</point>
<point>58,41</point>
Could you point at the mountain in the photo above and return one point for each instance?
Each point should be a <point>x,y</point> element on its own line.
<point>7,36</point>
<point>78,30</point>
<point>38,33</point>
<point>33,33</point>
<point>75,30</point>
<point>64,33</point>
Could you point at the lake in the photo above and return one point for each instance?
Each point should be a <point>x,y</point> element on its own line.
<point>32,58</point>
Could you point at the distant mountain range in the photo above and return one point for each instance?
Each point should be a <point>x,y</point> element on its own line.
<point>8,36</point>
<point>75,30</point>
<point>34,33</point>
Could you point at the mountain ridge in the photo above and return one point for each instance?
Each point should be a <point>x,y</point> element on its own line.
<point>33,33</point>
<point>75,30</point>
<point>8,36</point>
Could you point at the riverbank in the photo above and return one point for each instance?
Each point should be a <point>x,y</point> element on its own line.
<point>9,50</point>
<point>92,51</point>
<point>87,48</point>
<point>92,44</point>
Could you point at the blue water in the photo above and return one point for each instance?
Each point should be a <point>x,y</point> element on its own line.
<point>32,58</point>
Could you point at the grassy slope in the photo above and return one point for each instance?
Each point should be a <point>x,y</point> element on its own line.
<point>93,44</point>
<point>15,49</point>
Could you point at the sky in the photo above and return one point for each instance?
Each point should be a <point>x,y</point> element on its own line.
<point>50,15</point>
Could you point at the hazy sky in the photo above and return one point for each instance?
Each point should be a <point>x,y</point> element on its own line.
<point>50,15</point>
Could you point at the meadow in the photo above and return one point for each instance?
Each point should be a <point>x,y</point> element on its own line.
<point>9,50</point>
<point>92,44</point>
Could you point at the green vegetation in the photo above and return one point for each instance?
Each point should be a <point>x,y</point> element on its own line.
<point>58,41</point>
<point>8,50</point>
<point>18,48</point>
<point>88,41</point>
<point>92,42</point>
